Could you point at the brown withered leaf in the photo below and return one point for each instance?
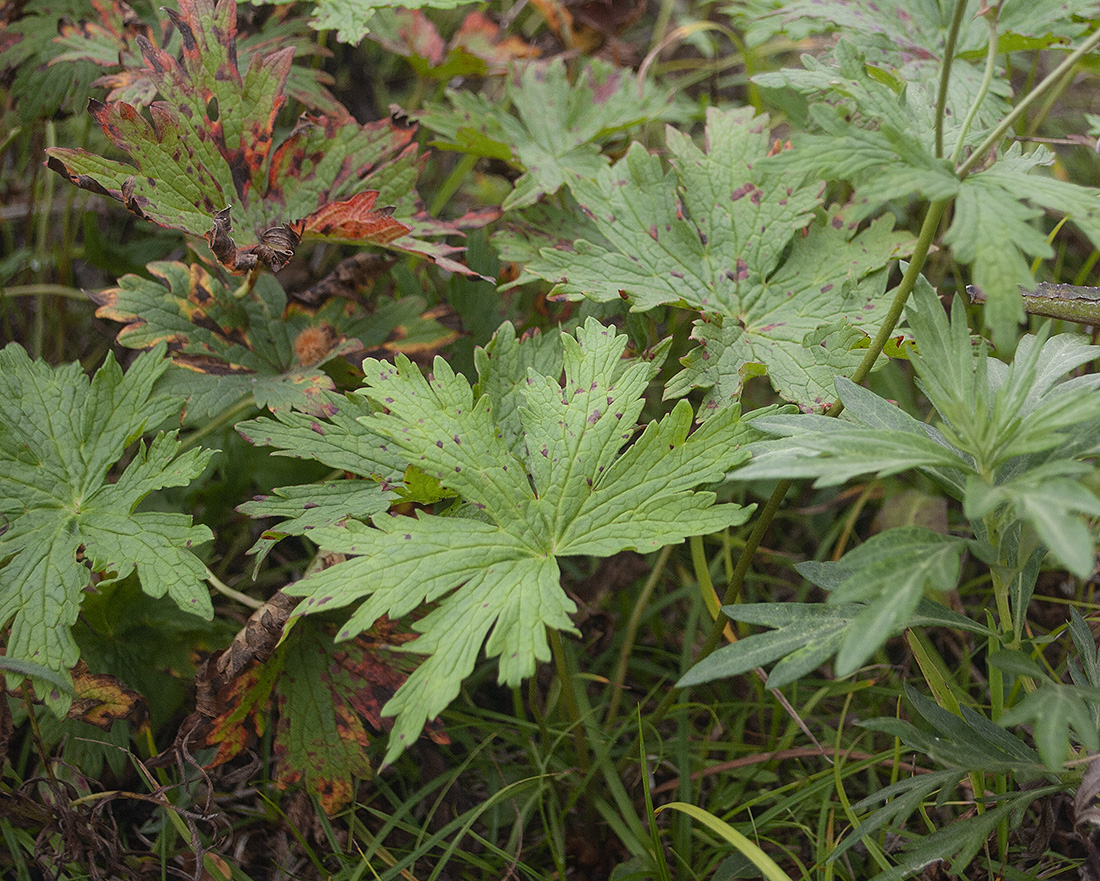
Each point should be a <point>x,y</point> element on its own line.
<point>101,700</point>
<point>208,163</point>
<point>323,692</point>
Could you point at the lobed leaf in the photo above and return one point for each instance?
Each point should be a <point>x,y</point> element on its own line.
<point>557,128</point>
<point>59,436</point>
<point>723,234</point>
<point>556,482</point>
<point>256,346</point>
<point>209,153</point>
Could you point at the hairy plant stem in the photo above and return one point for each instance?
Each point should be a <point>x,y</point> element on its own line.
<point>983,90</point>
<point>569,700</point>
<point>945,71</point>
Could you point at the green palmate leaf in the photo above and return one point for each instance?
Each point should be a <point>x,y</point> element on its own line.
<point>920,30</point>
<point>208,164</point>
<point>256,346</point>
<point>806,635</point>
<point>558,126</point>
<point>723,235</point>
<point>566,487</point>
<point>1009,444</point>
<point>352,19</point>
<point>890,573</point>
<point>881,139</point>
<point>59,437</point>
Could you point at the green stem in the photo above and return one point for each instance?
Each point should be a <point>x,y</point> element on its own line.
<point>225,590</point>
<point>908,282</point>
<point>41,246</point>
<point>945,71</point>
<point>569,700</point>
<point>631,633</point>
<point>987,81</point>
<point>771,508</point>
<point>43,290</point>
<point>737,580</point>
<point>450,186</point>
<point>217,424</point>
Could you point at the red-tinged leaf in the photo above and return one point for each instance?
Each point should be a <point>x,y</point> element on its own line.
<point>109,40</point>
<point>480,36</point>
<point>208,164</point>
<point>477,48</point>
<point>354,219</point>
<point>321,692</point>
<point>102,700</point>
<point>257,345</point>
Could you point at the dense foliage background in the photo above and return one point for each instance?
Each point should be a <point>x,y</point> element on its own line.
<point>549,440</point>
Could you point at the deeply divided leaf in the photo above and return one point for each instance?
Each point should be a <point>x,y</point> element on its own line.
<point>60,436</point>
<point>783,290</point>
<point>572,477</point>
<point>208,162</point>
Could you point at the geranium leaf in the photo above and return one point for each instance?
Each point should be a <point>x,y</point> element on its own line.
<point>558,126</point>
<point>208,165</point>
<point>551,479</point>
<point>323,692</point>
<point>256,345</point>
<point>59,437</point>
<point>722,234</point>
<point>109,40</point>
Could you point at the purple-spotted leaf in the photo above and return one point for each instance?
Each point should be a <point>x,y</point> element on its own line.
<point>342,441</point>
<point>784,288</point>
<point>207,163</point>
<point>544,468</point>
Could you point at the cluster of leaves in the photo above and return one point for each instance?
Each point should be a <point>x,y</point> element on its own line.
<point>211,149</point>
<point>454,498</point>
<point>783,289</point>
<point>538,467</point>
